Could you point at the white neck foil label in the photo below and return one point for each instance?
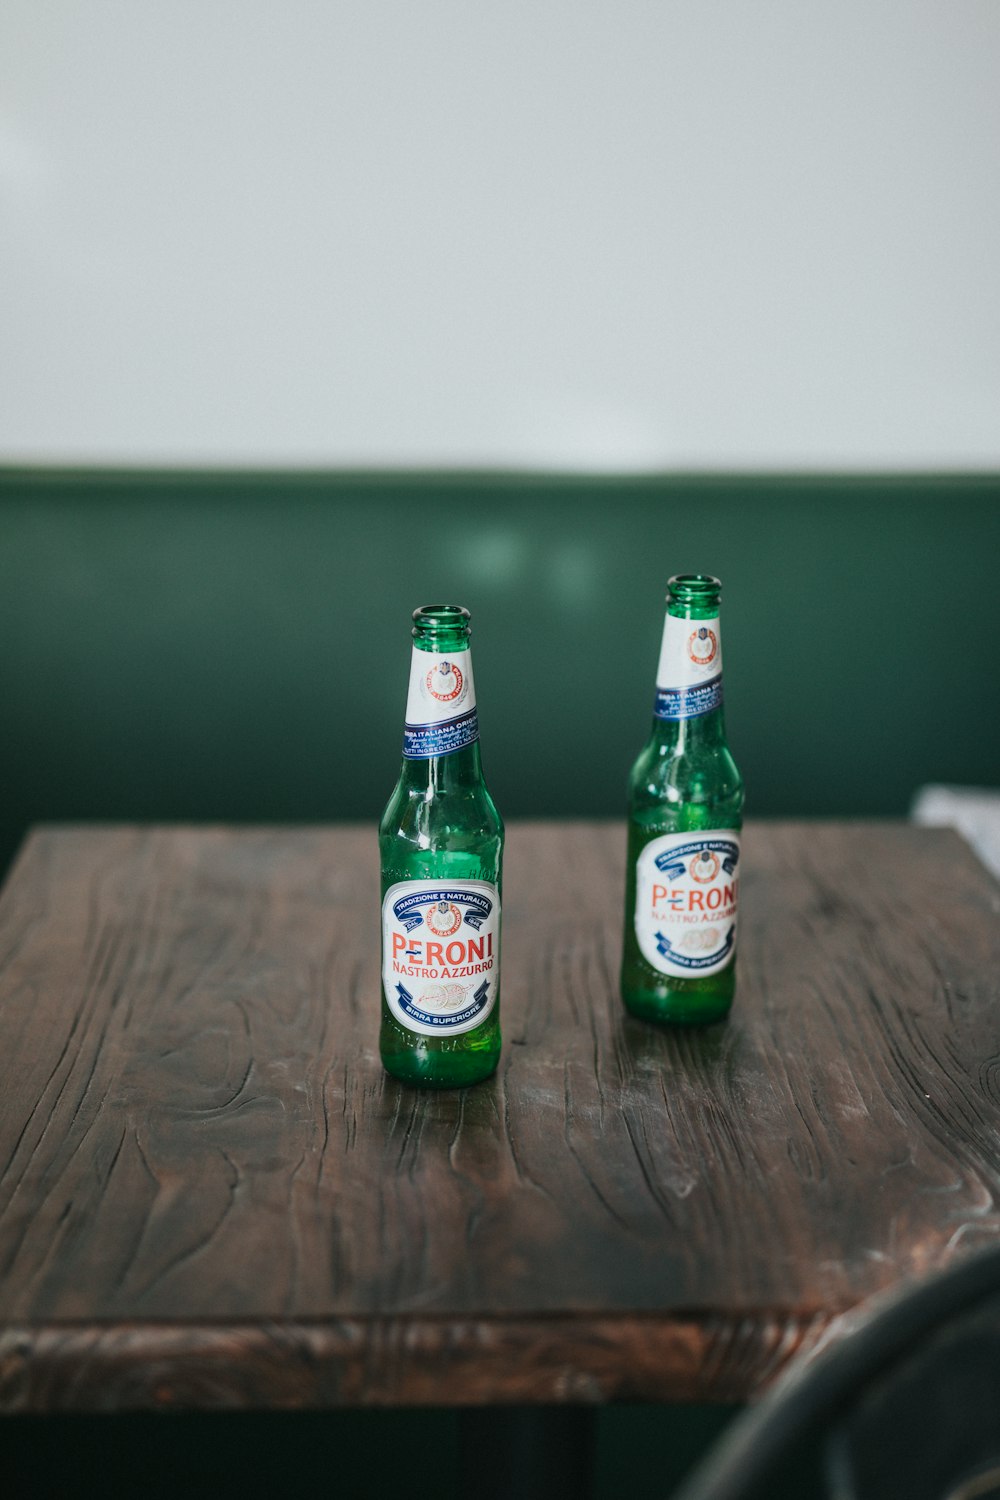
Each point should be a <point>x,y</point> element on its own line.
<point>689,676</point>
<point>440,704</point>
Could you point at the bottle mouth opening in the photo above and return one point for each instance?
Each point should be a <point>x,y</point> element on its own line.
<point>442,616</point>
<point>694,586</point>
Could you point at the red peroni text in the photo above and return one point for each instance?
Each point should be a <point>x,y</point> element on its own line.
<point>428,959</point>
<point>718,899</point>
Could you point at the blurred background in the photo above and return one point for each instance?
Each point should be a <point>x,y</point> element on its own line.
<point>570,235</point>
<point>314,313</point>
<point>311,313</point>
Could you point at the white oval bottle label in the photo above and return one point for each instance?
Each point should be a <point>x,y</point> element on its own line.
<point>441,954</point>
<point>686,899</point>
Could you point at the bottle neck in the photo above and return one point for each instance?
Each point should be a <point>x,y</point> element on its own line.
<point>700,732</point>
<point>688,706</point>
<point>434,774</point>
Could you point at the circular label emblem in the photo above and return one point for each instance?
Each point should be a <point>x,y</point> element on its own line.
<point>445,682</point>
<point>703,646</point>
<point>443,919</point>
<point>704,867</point>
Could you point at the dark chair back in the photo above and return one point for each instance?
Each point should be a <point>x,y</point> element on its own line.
<point>903,1405</point>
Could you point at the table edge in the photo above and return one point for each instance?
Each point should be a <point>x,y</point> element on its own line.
<point>396,1361</point>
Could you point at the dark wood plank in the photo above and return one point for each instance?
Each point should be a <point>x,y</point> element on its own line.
<point>211,1195</point>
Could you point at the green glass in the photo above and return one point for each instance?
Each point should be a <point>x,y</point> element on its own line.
<point>684,780</point>
<point>441,824</point>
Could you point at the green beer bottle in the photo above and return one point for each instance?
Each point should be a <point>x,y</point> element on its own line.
<point>441,846</point>
<point>685,816</point>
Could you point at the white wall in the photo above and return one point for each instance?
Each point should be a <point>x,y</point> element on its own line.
<point>585,233</point>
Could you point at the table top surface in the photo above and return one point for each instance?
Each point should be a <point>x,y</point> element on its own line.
<point>212,1196</point>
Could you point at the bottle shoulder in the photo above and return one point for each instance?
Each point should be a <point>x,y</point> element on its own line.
<point>428,818</point>
<point>671,775</point>
<point>444,838</point>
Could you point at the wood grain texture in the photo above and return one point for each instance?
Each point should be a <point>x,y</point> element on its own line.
<point>212,1196</point>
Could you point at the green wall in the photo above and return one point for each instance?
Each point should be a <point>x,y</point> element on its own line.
<point>235,646</point>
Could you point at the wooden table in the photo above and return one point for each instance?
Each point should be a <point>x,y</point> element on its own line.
<point>212,1197</point>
